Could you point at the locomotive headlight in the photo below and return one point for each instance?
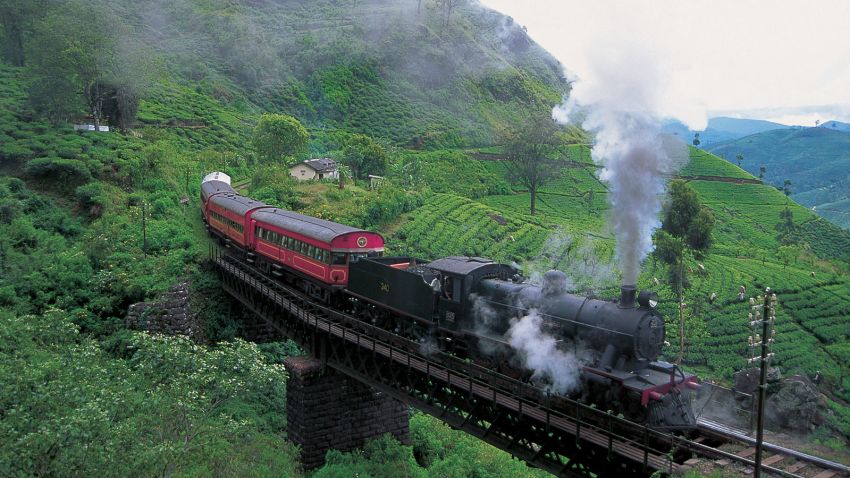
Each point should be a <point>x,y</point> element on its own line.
<point>648,299</point>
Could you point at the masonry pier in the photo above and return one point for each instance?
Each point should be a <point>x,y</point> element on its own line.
<point>328,410</point>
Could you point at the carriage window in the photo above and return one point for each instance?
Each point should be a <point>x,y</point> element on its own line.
<point>339,259</point>
<point>357,257</point>
<point>311,251</point>
<point>326,257</point>
<point>304,248</point>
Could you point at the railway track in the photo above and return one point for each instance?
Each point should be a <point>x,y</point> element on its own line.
<point>776,460</point>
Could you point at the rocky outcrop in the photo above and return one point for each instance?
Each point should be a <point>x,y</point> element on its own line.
<point>169,314</point>
<point>794,406</point>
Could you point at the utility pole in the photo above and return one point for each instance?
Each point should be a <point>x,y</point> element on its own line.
<point>144,231</point>
<point>764,315</point>
<point>681,291</point>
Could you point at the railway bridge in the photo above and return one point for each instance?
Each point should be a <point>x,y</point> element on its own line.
<point>550,432</point>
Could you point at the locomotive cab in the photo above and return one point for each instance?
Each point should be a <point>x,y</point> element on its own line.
<point>449,299</point>
<point>459,276</point>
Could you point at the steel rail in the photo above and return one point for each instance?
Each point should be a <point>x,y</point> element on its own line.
<point>726,432</point>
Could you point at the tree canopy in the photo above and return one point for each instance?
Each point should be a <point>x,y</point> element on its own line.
<point>529,151</point>
<point>83,56</point>
<point>683,217</point>
<point>364,156</point>
<point>279,137</point>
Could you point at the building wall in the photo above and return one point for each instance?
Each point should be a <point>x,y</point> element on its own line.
<point>306,173</point>
<point>302,172</point>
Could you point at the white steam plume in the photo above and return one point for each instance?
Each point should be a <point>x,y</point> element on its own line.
<point>539,352</point>
<point>621,104</point>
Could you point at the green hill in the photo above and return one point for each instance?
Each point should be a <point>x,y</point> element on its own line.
<point>815,160</point>
<point>92,222</point>
<point>393,69</point>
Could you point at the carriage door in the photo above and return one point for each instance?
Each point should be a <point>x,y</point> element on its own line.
<point>450,298</point>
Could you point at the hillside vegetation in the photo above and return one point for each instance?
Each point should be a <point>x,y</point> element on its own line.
<point>804,258</point>
<point>816,161</point>
<point>92,222</point>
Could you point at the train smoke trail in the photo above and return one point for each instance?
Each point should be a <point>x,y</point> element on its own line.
<point>540,353</point>
<point>620,105</point>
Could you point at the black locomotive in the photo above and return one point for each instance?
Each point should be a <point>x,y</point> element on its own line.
<point>467,305</point>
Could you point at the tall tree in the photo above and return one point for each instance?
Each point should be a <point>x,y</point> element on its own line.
<point>364,156</point>
<point>17,19</point>
<point>739,158</point>
<point>446,9</point>
<point>686,226</point>
<point>84,48</point>
<point>529,152</point>
<point>696,140</point>
<point>280,137</point>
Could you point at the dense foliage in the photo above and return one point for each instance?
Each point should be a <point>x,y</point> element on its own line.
<point>135,405</point>
<point>279,139</point>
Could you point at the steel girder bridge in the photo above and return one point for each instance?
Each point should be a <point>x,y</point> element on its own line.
<point>562,436</point>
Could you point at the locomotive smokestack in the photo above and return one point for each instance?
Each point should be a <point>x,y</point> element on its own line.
<point>627,296</point>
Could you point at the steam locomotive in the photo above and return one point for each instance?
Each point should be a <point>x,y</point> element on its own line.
<point>465,306</point>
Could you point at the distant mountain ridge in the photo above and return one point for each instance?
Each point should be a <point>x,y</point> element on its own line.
<point>836,125</point>
<point>722,128</point>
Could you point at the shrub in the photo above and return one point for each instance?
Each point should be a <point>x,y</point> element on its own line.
<point>62,171</point>
<point>91,198</point>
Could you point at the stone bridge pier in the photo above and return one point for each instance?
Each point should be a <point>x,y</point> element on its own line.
<point>328,410</point>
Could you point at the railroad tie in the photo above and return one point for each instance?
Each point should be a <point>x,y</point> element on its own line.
<point>826,474</point>
<point>796,467</point>
<point>769,461</point>
<point>690,463</point>
<point>746,452</point>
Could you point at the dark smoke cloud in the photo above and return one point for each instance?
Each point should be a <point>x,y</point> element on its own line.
<point>620,107</point>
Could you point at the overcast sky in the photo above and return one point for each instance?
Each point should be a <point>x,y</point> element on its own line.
<point>782,60</point>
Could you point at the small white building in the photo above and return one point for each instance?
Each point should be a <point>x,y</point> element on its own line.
<point>321,168</point>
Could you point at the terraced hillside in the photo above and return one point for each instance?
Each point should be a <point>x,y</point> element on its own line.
<point>816,161</point>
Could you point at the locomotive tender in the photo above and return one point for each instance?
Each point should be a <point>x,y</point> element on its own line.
<point>461,305</point>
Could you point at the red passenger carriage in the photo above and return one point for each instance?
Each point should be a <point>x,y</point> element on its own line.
<point>304,250</point>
